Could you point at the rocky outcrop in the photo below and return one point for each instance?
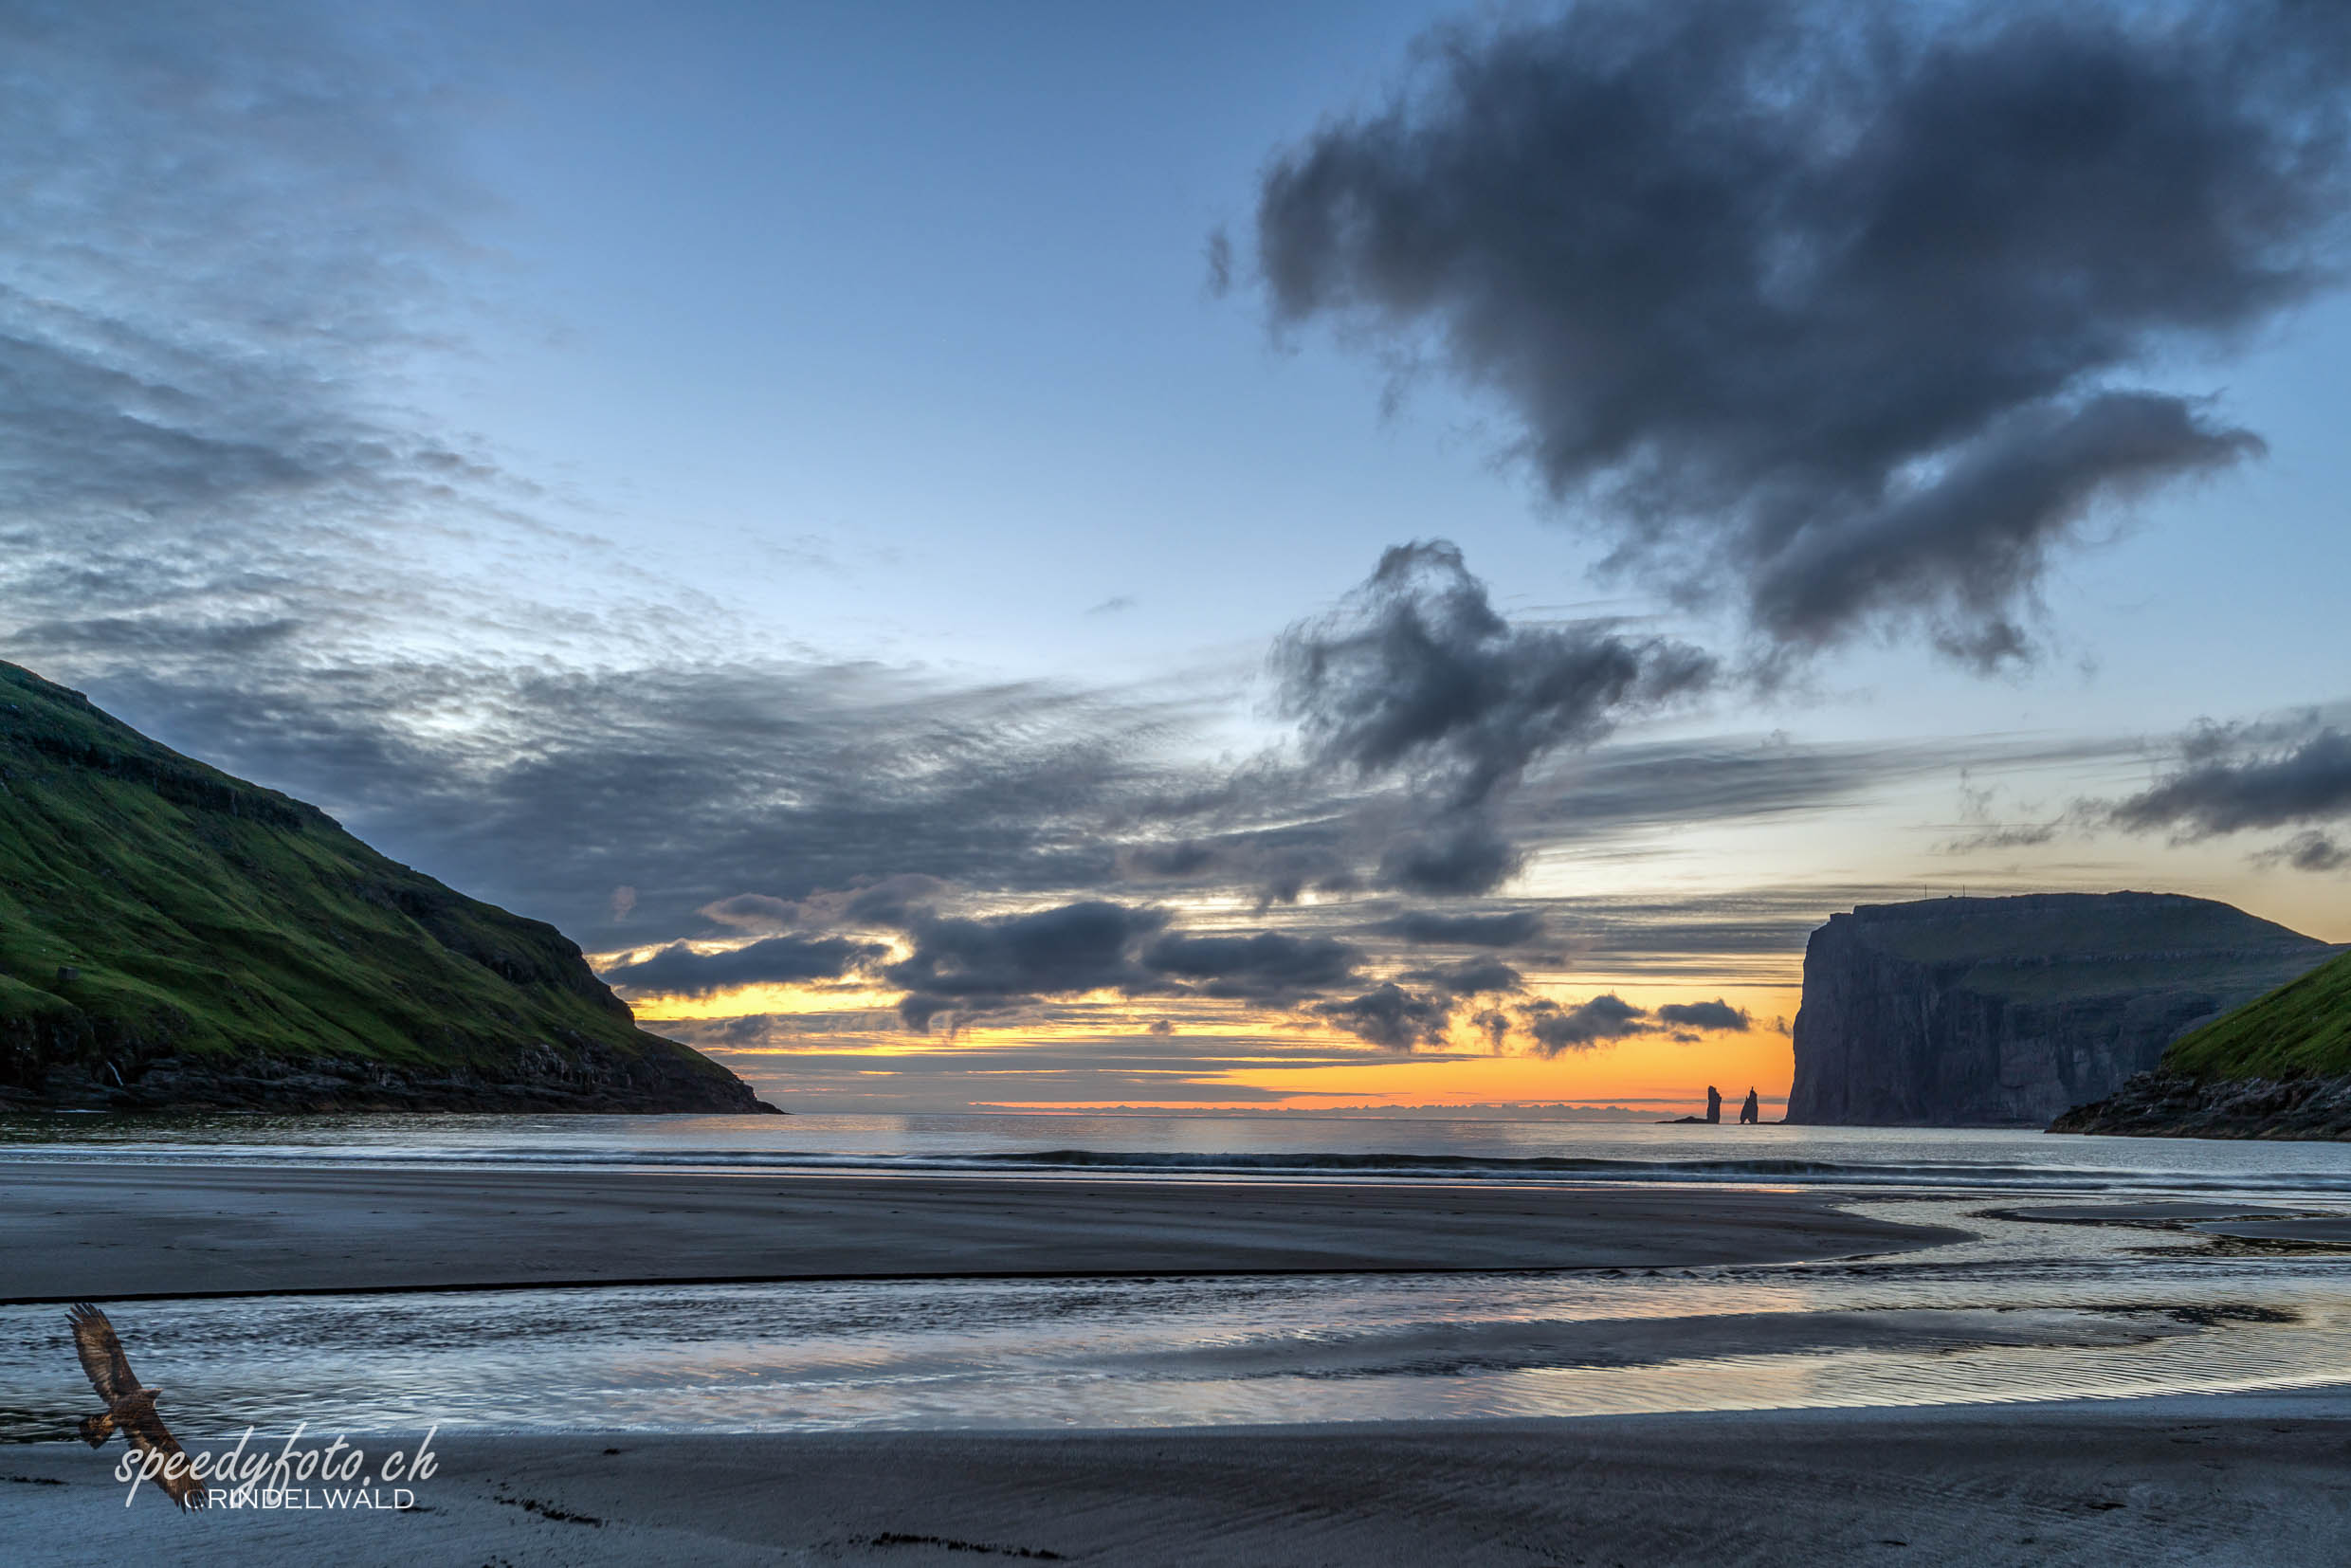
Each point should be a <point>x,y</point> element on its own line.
<point>2007,1011</point>
<point>2174,1104</point>
<point>592,1077</point>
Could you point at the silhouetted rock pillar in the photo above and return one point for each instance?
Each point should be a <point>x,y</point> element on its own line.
<point>1714,1104</point>
<point>1750,1113</point>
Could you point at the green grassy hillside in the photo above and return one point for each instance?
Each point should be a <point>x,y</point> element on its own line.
<point>164,924</point>
<point>2302,1029</point>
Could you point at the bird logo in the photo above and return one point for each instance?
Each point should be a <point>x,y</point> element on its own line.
<point>129,1408</point>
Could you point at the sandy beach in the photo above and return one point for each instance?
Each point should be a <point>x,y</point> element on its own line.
<point>2247,1479</point>
<point>2223,1477</point>
<point>68,1232</point>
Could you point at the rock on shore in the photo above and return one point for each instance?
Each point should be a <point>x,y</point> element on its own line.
<point>2174,1104</point>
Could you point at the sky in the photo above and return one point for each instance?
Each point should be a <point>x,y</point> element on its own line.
<point>1320,556</point>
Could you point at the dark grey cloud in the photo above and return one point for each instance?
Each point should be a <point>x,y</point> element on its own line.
<point>1416,676</point>
<point>1828,309</point>
<point>964,966</point>
<point>1461,852</point>
<point>970,966</point>
<point>1713,1017</point>
<point>1430,928</point>
<point>1472,977</point>
<point>2308,850</point>
<point>1280,863</point>
<point>2235,777</point>
<point>1268,964</point>
<point>678,970</point>
<point>1390,1016</point>
<point>1551,1028</point>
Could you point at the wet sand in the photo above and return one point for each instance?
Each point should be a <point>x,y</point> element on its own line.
<point>2216,1478</point>
<point>122,1234</point>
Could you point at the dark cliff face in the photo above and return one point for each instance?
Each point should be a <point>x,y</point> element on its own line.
<point>172,937</point>
<point>2006,1012</point>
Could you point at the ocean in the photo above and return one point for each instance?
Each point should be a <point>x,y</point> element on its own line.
<point>1169,1147</point>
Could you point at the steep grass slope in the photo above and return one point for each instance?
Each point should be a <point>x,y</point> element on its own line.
<point>172,936</point>
<point>2303,1028</point>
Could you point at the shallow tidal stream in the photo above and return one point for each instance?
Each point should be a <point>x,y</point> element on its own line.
<point>2090,1296</point>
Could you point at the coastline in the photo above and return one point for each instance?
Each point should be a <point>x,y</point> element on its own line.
<point>2202,1479</point>
<point>75,1231</point>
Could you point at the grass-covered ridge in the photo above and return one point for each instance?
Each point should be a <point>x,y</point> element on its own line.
<point>157,914</point>
<point>2302,1029</point>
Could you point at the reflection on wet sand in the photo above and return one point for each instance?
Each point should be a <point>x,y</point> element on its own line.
<point>2029,1306</point>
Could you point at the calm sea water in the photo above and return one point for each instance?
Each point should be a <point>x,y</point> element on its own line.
<point>1162,1147</point>
<point>2081,1277</point>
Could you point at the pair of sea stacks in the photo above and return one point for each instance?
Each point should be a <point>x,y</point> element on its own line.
<point>1750,1113</point>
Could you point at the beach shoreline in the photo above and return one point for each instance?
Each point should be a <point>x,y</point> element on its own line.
<point>73,1231</point>
<point>2205,1479</point>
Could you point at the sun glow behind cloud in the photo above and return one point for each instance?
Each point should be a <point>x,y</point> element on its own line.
<point>1198,1054</point>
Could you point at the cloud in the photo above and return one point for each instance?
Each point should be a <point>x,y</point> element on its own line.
<point>2238,776</point>
<point>1416,676</point>
<point>1552,1029</point>
<point>1426,927</point>
<point>2009,835</point>
<point>848,793</point>
<point>1462,853</point>
<point>2308,850</point>
<point>1472,977</point>
<point>1390,1016</point>
<point>1217,252</point>
<point>972,966</point>
<point>227,233</point>
<point>678,970</point>
<point>1281,865</point>
<point>1267,964</point>
<point>1826,310</point>
<point>884,902</point>
<point>1716,1016</point>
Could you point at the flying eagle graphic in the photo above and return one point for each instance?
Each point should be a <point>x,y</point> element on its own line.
<point>129,1405</point>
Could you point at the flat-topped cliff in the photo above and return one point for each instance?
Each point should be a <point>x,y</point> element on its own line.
<point>172,937</point>
<point>2006,1012</point>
